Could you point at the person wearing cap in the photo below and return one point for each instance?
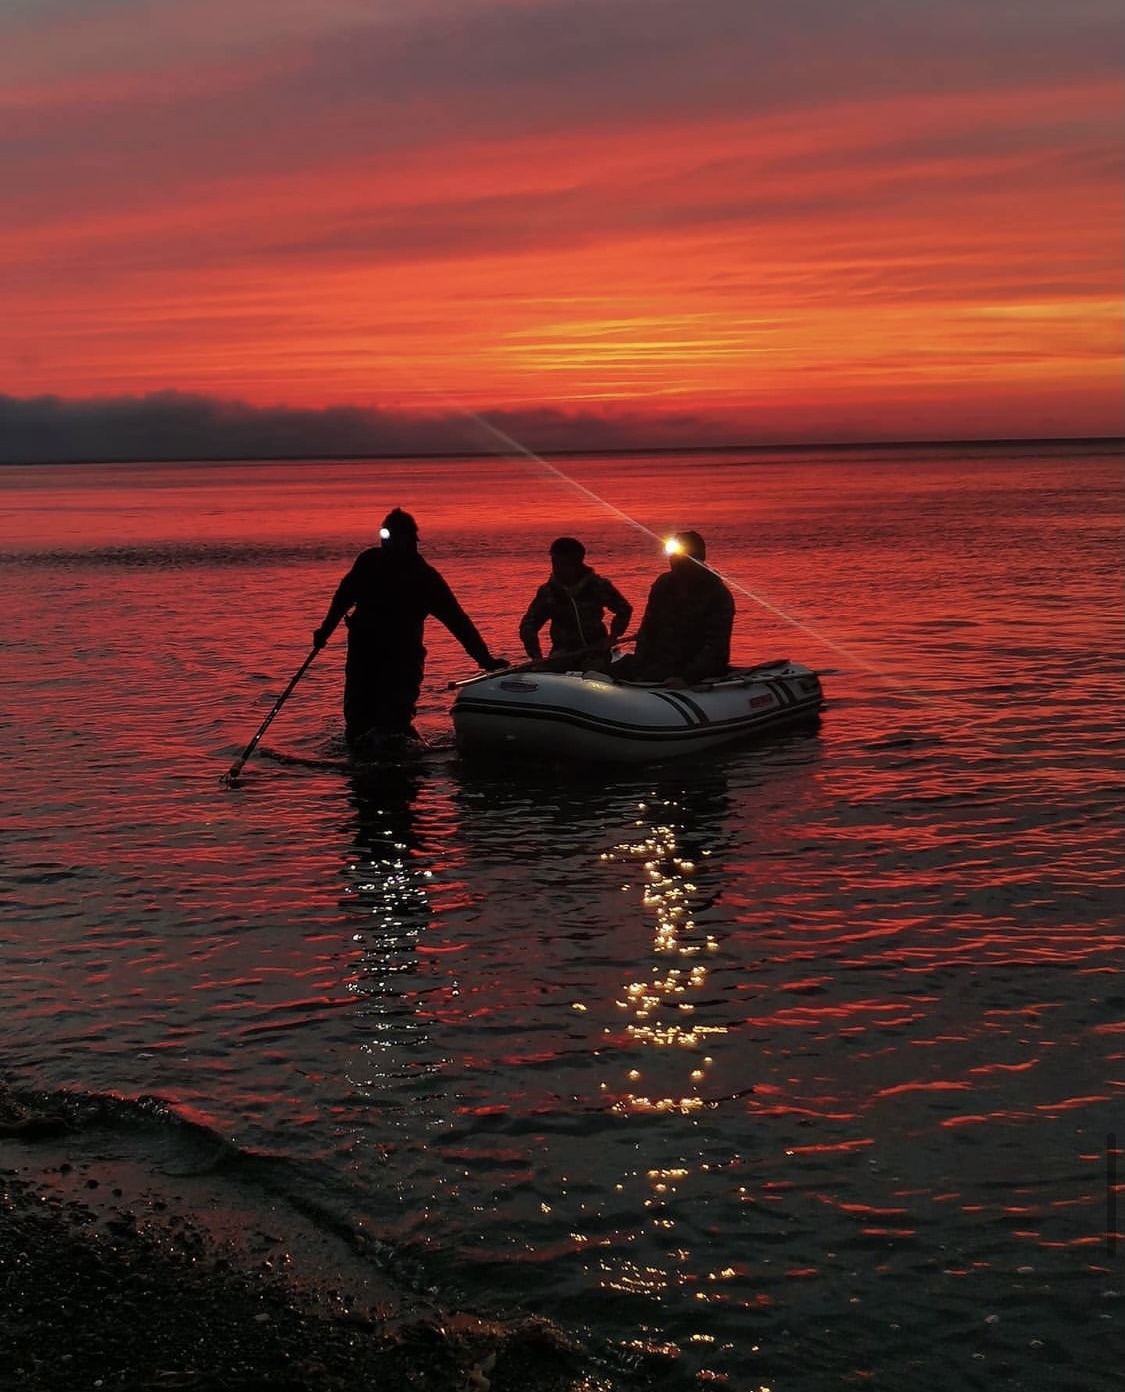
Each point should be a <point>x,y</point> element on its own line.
<point>685,632</point>
<point>574,602</point>
<point>387,596</point>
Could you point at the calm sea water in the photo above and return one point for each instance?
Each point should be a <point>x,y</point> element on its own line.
<point>802,1060</point>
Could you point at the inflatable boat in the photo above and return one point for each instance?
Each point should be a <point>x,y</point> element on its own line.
<point>590,716</point>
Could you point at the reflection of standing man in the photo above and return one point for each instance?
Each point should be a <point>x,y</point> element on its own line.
<point>391,591</point>
<point>390,909</point>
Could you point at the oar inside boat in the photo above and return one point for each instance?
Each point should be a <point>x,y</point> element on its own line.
<point>554,662</point>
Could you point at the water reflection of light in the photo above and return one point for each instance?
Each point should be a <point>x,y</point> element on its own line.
<point>632,1279</point>
<point>389,892</point>
<point>663,1036</point>
<point>661,1006</point>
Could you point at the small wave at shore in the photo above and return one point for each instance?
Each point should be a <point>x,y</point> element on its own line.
<point>146,1189</point>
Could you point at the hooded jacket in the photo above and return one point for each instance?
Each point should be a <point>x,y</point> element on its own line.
<point>575,614</point>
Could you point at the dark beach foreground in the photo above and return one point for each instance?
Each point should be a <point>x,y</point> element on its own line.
<point>112,1279</point>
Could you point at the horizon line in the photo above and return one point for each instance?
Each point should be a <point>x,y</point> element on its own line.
<point>586,452</point>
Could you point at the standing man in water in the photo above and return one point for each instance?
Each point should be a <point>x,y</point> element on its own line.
<point>685,633</point>
<point>390,591</point>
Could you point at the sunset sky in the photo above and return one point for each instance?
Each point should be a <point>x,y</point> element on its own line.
<point>670,219</point>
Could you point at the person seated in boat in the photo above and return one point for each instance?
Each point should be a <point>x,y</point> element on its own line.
<point>387,596</point>
<point>574,602</point>
<point>685,632</point>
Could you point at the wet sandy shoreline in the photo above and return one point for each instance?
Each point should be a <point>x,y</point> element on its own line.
<point>113,1278</point>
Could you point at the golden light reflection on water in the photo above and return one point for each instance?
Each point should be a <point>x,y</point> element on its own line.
<point>661,1037</point>
<point>661,1006</point>
<point>388,895</point>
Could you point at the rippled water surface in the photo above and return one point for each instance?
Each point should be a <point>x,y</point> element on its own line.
<point>803,1059</point>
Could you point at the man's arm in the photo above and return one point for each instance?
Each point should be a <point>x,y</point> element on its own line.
<point>618,606</point>
<point>715,624</point>
<point>342,601</point>
<point>536,616</point>
<point>445,608</point>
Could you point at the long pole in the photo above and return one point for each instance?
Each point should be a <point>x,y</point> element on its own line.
<point>235,769</point>
<point>535,664</point>
<point>501,672</point>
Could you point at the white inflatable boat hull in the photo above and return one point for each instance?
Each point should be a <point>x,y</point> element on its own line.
<point>585,715</point>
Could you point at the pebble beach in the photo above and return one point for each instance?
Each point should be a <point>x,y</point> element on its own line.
<point>116,1281</point>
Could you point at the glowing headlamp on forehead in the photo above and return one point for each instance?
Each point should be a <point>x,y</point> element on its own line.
<point>400,528</point>
<point>688,544</point>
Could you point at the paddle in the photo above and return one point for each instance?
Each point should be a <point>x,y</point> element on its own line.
<point>235,769</point>
<point>535,664</point>
<point>500,672</point>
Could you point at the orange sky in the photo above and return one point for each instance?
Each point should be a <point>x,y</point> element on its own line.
<point>806,222</point>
